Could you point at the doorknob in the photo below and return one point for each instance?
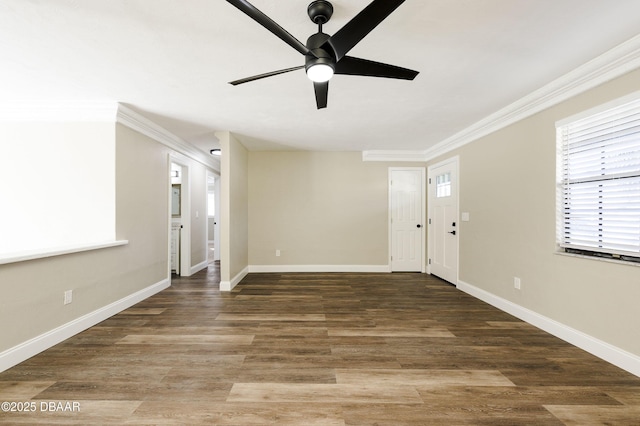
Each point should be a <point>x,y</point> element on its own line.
<point>453,232</point>
<point>418,226</point>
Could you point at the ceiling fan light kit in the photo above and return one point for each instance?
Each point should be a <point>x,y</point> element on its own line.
<point>325,55</point>
<point>320,73</point>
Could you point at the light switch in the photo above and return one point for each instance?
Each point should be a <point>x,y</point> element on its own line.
<point>465,216</point>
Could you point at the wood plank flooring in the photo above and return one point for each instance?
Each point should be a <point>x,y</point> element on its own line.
<point>318,349</point>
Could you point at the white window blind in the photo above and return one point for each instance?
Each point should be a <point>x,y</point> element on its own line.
<point>599,183</point>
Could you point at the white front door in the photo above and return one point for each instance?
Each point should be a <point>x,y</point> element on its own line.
<point>444,226</point>
<point>406,189</point>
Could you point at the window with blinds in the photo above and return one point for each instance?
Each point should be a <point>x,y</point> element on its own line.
<point>599,183</point>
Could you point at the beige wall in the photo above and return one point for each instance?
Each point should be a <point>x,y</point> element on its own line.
<point>32,291</point>
<point>507,184</point>
<point>142,169</point>
<point>318,208</point>
<point>142,204</point>
<point>234,239</point>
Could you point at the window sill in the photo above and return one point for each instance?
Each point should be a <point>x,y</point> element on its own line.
<point>59,251</point>
<point>598,259</point>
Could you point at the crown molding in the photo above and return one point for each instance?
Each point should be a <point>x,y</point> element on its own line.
<point>612,64</point>
<point>136,121</point>
<point>616,62</point>
<point>59,111</point>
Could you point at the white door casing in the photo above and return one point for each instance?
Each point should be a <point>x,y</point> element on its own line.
<point>216,240</point>
<point>443,222</point>
<point>185,213</point>
<point>406,217</point>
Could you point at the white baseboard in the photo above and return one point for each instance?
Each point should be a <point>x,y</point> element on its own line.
<point>199,267</point>
<point>319,268</point>
<point>229,285</point>
<point>31,347</point>
<point>612,354</point>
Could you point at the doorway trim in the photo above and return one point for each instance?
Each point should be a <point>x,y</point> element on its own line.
<point>216,225</point>
<point>430,235</point>
<point>185,214</point>
<point>422,218</point>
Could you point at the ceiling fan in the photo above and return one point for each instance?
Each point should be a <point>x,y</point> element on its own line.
<point>326,55</point>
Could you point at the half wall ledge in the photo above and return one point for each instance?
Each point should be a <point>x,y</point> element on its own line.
<point>58,251</point>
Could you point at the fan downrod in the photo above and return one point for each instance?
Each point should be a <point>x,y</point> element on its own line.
<point>320,11</point>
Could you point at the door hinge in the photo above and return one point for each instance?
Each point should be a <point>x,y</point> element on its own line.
<point>429,181</point>
<point>429,261</point>
<point>429,221</point>
<point>391,257</point>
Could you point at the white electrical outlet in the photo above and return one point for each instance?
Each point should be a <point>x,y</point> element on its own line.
<point>516,283</point>
<point>68,297</point>
<point>277,253</point>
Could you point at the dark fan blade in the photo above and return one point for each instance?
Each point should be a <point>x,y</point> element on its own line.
<point>356,66</point>
<point>361,25</point>
<point>269,74</point>
<point>322,92</point>
<point>270,24</point>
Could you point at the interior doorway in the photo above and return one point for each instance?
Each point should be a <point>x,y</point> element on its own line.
<point>213,217</point>
<point>179,224</point>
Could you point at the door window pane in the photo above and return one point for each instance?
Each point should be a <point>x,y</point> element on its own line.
<point>443,185</point>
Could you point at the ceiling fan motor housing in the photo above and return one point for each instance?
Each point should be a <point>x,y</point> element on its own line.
<point>321,56</point>
<point>320,11</point>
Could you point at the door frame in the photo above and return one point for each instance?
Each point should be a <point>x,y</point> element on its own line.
<point>422,218</point>
<point>455,159</point>
<point>185,213</point>
<point>216,226</point>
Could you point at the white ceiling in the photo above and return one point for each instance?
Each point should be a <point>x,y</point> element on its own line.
<point>171,60</point>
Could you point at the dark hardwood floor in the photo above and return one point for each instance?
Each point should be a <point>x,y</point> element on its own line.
<point>318,349</point>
